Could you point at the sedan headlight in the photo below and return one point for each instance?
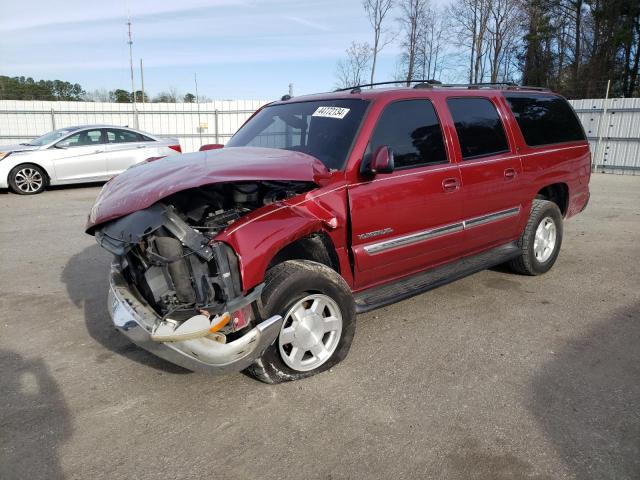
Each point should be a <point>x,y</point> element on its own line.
<point>4,154</point>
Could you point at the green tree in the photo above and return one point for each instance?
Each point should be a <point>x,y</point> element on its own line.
<point>122,96</point>
<point>139,96</point>
<point>21,88</point>
<point>189,98</point>
<point>165,97</point>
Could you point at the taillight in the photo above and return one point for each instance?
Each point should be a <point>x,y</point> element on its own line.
<point>176,148</point>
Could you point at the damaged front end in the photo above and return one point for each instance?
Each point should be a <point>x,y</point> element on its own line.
<point>176,291</point>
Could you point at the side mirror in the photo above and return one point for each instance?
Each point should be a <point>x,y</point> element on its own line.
<point>61,145</point>
<point>211,146</point>
<point>382,160</point>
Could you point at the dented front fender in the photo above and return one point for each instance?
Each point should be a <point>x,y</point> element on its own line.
<point>258,237</point>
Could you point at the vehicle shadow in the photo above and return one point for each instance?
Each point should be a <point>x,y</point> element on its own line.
<point>75,186</point>
<point>34,419</point>
<point>587,399</point>
<point>71,186</point>
<point>86,279</point>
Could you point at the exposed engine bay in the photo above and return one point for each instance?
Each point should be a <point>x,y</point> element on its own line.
<point>168,253</point>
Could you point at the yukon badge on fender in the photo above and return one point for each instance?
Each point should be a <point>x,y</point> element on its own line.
<point>258,256</point>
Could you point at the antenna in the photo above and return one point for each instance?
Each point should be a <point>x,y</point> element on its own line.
<point>195,79</point>
<point>142,80</point>
<point>133,85</point>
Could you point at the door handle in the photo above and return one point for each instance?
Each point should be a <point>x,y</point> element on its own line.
<point>450,184</point>
<point>509,174</point>
<point>141,146</point>
<point>98,151</point>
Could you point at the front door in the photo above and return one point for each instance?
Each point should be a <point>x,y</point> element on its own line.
<point>491,174</point>
<point>411,219</point>
<point>80,157</point>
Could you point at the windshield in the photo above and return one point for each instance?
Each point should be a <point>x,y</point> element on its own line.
<point>324,129</point>
<point>49,137</point>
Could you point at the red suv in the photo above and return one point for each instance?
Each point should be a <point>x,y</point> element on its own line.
<point>257,256</point>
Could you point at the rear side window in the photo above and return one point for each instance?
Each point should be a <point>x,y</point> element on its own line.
<point>545,119</point>
<point>122,136</point>
<point>478,125</point>
<point>412,130</point>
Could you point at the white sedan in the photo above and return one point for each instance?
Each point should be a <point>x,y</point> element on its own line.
<point>89,153</point>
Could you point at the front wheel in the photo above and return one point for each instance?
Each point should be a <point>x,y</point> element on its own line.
<point>541,240</point>
<point>319,321</point>
<point>27,179</point>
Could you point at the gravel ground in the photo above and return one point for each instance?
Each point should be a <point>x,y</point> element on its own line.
<point>496,376</point>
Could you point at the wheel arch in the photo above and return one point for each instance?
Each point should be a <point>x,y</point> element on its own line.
<point>317,247</point>
<point>557,193</point>
<point>47,174</point>
<point>279,237</point>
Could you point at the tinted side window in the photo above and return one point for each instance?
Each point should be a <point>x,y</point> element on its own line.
<point>479,128</point>
<point>82,139</point>
<point>412,130</point>
<point>545,119</point>
<point>121,136</point>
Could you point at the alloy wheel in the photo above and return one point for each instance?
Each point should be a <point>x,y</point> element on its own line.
<point>28,180</point>
<point>545,240</point>
<point>310,332</point>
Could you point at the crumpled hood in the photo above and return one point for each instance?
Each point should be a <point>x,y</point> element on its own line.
<point>143,185</point>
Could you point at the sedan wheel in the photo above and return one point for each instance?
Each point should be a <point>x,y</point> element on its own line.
<point>27,179</point>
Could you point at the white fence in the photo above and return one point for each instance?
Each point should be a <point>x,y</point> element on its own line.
<point>617,123</point>
<point>194,125</point>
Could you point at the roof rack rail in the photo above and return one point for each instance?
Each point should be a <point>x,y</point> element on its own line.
<point>438,84</point>
<point>357,88</point>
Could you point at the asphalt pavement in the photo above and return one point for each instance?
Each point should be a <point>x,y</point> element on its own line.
<point>496,376</point>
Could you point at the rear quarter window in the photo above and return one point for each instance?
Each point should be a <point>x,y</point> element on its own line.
<point>545,119</point>
<point>478,125</point>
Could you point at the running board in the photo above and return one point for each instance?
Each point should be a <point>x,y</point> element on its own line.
<point>383,295</point>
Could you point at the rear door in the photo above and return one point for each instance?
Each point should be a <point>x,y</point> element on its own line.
<point>410,219</point>
<point>80,157</point>
<point>126,148</point>
<point>491,173</point>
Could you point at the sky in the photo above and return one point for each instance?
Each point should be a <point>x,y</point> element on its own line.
<point>239,49</point>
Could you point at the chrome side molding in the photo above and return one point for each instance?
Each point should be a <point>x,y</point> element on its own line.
<point>414,238</point>
<point>440,231</point>
<point>491,217</point>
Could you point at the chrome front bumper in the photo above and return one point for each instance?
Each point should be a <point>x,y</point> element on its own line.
<point>136,320</point>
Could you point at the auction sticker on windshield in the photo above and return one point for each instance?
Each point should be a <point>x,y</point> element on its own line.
<point>331,112</point>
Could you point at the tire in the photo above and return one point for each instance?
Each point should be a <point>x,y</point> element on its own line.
<point>301,286</point>
<point>538,257</point>
<point>27,179</point>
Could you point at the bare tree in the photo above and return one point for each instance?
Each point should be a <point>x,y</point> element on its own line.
<point>377,10</point>
<point>472,19</point>
<point>431,47</point>
<point>412,21</point>
<point>167,96</point>
<point>99,95</point>
<point>502,31</point>
<point>352,70</point>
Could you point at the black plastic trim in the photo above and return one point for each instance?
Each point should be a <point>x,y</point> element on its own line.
<point>407,287</point>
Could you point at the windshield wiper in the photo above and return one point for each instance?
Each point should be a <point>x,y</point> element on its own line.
<point>27,144</point>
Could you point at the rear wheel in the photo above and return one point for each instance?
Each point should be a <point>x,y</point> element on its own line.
<point>541,240</point>
<point>319,321</point>
<point>27,179</point>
